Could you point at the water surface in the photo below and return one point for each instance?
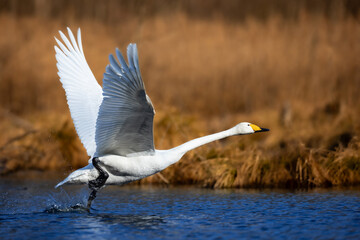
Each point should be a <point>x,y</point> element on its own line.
<point>33,209</point>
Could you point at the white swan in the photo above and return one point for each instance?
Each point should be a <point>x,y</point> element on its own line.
<point>115,123</point>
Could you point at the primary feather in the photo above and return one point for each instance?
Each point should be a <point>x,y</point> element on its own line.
<point>125,121</point>
<point>83,93</point>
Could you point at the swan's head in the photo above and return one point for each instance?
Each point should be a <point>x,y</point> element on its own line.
<point>248,128</point>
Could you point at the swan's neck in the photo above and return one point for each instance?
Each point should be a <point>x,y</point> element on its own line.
<point>173,155</point>
<point>197,142</point>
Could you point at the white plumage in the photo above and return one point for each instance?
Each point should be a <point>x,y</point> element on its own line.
<point>83,93</point>
<point>115,123</point>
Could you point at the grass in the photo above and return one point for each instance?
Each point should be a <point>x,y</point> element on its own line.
<point>298,76</point>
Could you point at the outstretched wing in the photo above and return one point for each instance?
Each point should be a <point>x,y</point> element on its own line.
<point>83,93</point>
<point>125,122</point>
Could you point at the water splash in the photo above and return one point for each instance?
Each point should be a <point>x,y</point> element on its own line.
<point>59,209</point>
<point>62,201</point>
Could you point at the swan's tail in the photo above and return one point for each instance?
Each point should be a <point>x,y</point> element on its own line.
<point>62,182</point>
<point>80,176</point>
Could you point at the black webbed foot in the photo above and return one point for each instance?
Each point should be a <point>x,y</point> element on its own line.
<point>98,183</point>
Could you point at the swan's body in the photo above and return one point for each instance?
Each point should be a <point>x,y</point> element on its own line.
<point>133,167</point>
<point>115,123</point>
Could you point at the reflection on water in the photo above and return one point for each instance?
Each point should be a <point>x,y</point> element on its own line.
<point>33,209</point>
<point>141,222</point>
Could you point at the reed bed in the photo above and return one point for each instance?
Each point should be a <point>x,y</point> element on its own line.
<point>295,70</point>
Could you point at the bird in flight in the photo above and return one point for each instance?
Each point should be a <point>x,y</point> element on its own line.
<point>115,122</point>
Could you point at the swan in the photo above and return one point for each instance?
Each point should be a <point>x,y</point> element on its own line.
<point>115,123</point>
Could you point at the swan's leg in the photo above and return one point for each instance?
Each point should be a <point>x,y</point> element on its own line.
<point>98,183</point>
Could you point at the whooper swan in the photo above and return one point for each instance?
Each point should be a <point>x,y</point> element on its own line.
<point>115,123</point>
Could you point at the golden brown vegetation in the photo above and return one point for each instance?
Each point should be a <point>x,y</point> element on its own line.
<point>291,67</point>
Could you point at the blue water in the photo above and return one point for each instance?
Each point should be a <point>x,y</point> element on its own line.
<point>31,209</point>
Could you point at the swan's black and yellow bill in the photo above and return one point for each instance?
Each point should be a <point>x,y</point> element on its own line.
<point>258,129</point>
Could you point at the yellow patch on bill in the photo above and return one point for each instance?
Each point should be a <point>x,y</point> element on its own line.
<point>255,128</point>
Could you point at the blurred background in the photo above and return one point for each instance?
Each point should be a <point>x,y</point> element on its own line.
<point>291,66</point>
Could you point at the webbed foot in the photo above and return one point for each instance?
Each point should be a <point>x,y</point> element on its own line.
<point>98,183</point>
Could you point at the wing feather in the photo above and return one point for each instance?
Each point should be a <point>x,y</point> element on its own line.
<point>125,122</point>
<point>83,93</point>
